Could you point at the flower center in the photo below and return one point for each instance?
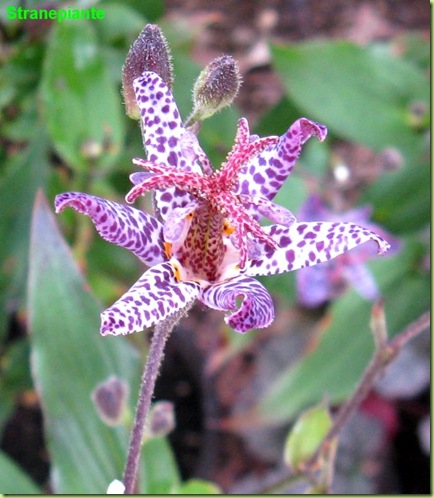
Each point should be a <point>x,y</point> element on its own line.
<point>204,252</point>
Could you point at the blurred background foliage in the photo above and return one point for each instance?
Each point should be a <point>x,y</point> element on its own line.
<point>63,127</point>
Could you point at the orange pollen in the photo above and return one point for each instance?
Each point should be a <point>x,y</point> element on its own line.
<point>168,249</point>
<point>176,272</point>
<point>227,228</point>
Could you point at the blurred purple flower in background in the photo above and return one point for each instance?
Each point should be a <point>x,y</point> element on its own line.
<point>324,282</point>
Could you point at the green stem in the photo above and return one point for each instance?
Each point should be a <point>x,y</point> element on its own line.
<point>385,352</point>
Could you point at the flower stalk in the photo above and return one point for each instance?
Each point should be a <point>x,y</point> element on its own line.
<point>159,338</point>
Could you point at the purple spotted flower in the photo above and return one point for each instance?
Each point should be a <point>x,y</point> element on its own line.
<point>206,242</point>
<point>322,283</point>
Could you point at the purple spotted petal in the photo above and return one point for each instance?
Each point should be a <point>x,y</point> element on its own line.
<point>307,244</point>
<point>267,172</point>
<point>256,310</point>
<point>314,209</point>
<point>154,297</point>
<point>122,225</point>
<point>163,132</point>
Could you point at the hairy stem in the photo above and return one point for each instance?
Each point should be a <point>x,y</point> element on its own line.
<point>150,373</point>
<point>384,354</point>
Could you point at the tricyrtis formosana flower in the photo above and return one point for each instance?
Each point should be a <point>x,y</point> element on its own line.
<point>327,281</point>
<point>207,242</point>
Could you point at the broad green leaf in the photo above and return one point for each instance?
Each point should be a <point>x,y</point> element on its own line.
<point>306,435</point>
<point>151,9</point>
<point>402,199</point>
<point>69,359</point>
<point>158,473</point>
<point>335,366</point>
<point>82,106</point>
<point>361,94</point>
<point>14,480</point>
<point>120,20</point>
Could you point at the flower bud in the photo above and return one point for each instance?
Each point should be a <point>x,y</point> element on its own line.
<point>215,88</point>
<point>161,419</point>
<point>150,52</point>
<point>418,115</point>
<point>306,436</point>
<point>110,399</point>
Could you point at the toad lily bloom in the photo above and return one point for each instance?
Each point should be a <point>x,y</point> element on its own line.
<point>324,282</point>
<point>207,242</point>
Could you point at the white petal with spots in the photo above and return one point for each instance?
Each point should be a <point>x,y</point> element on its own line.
<point>122,225</point>
<point>256,310</point>
<point>163,133</point>
<point>307,244</point>
<point>154,297</point>
<point>265,174</point>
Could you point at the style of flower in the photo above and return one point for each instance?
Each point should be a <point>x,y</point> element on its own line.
<point>324,282</point>
<point>206,242</point>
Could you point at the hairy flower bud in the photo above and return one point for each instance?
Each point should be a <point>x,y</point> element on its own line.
<point>161,419</point>
<point>150,52</point>
<point>215,88</point>
<point>110,399</point>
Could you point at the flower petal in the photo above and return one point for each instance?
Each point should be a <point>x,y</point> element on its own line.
<point>163,133</point>
<point>314,208</point>
<point>270,210</point>
<point>310,243</point>
<point>358,275</point>
<point>324,282</point>
<point>267,172</point>
<point>314,285</point>
<point>256,310</point>
<point>154,297</point>
<point>122,225</point>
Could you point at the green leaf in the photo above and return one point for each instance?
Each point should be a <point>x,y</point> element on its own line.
<point>335,366</point>
<point>306,436</point>
<point>15,481</point>
<point>15,376</point>
<point>361,94</point>
<point>332,369</point>
<point>82,106</point>
<point>408,209</point>
<point>159,474</point>
<point>120,21</point>
<point>151,9</point>
<point>27,173</point>
<point>69,359</point>
<point>198,487</point>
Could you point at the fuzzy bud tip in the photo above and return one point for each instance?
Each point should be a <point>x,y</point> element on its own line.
<point>150,52</point>
<point>216,87</point>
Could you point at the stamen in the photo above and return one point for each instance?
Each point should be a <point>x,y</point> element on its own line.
<point>168,249</point>
<point>139,177</point>
<point>270,210</point>
<point>228,229</point>
<point>192,151</point>
<point>177,223</point>
<point>176,272</point>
